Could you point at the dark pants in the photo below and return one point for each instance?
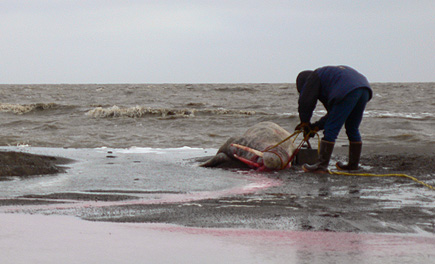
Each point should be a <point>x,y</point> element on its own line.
<point>348,112</point>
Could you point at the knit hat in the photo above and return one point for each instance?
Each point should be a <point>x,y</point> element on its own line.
<point>302,79</point>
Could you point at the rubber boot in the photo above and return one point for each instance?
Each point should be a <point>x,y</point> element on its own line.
<point>325,153</point>
<point>354,156</point>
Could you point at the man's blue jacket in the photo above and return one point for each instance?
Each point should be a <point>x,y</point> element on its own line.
<point>329,85</point>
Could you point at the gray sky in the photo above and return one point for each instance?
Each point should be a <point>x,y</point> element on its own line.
<point>194,41</point>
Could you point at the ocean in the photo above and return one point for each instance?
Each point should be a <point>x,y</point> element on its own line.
<point>192,115</point>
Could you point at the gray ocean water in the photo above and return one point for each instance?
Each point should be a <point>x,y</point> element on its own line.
<point>194,115</point>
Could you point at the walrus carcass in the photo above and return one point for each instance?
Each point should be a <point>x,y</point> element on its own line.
<point>255,149</point>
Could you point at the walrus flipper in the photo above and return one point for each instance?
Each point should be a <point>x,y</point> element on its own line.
<point>222,160</point>
<point>217,161</point>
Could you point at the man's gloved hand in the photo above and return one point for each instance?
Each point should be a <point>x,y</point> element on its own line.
<point>309,128</point>
<point>306,128</point>
<point>302,126</point>
<point>316,126</point>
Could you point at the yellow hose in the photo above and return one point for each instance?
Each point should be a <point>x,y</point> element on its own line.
<point>381,175</point>
<point>296,133</point>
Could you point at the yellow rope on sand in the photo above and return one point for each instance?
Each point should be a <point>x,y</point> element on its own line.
<point>376,175</point>
<point>381,175</point>
<point>296,133</point>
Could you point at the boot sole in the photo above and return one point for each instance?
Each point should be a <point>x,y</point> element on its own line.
<point>315,171</point>
<point>343,169</point>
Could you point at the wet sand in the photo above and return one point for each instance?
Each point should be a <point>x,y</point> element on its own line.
<point>311,202</point>
<point>300,202</point>
<point>63,239</point>
<point>281,217</point>
<point>13,163</point>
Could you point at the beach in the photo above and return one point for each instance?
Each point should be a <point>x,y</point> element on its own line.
<point>109,176</point>
<point>327,217</point>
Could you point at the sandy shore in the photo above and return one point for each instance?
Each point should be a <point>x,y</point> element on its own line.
<point>62,239</point>
<point>296,216</point>
<point>310,202</point>
<point>300,201</point>
<point>13,163</point>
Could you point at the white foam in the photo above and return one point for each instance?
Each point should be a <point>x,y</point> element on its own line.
<point>387,114</point>
<point>374,113</point>
<point>141,111</point>
<point>25,108</point>
<point>147,150</point>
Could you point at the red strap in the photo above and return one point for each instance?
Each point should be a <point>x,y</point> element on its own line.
<point>248,162</point>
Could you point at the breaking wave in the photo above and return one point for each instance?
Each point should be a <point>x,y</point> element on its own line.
<point>140,111</point>
<point>26,108</point>
<point>412,116</point>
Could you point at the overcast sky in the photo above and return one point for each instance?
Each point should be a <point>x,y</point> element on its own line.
<point>216,41</point>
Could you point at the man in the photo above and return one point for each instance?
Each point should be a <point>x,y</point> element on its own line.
<point>344,92</point>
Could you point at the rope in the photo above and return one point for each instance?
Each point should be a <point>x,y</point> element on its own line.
<point>296,133</point>
<point>364,174</point>
<point>381,175</point>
